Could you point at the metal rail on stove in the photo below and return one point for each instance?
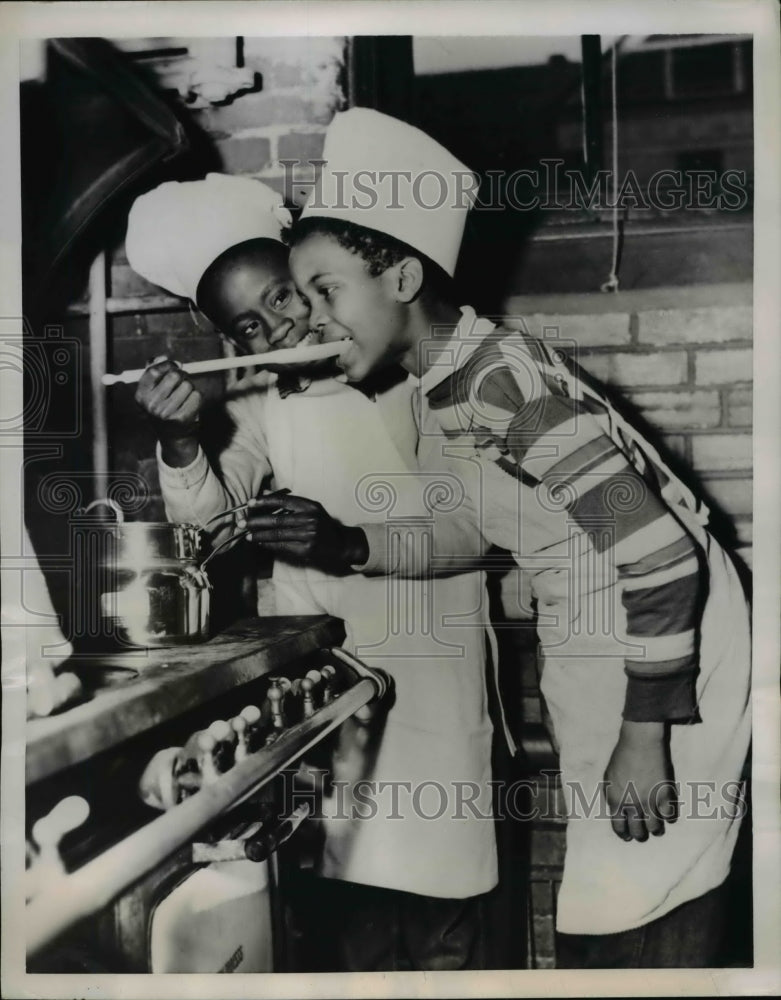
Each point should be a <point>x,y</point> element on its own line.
<point>70,898</point>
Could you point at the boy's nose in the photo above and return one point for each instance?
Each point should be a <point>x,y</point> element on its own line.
<point>281,331</point>
<point>317,318</point>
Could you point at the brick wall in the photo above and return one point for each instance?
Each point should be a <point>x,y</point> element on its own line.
<point>302,88</point>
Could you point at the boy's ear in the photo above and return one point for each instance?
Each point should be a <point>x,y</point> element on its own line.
<point>408,278</point>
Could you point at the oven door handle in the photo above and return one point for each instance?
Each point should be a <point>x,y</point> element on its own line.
<point>72,897</point>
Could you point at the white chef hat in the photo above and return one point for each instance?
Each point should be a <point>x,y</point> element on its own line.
<point>386,175</point>
<point>175,231</point>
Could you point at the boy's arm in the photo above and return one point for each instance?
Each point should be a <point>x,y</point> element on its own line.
<point>436,543</point>
<point>553,444</point>
<point>444,545</point>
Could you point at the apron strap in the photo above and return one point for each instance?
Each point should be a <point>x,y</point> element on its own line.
<point>640,452</point>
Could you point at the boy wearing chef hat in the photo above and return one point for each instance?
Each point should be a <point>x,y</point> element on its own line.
<point>588,507</point>
<point>207,241</point>
<point>412,884</point>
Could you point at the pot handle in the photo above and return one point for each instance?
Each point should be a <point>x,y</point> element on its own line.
<point>224,513</point>
<point>226,541</point>
<point>106,502</point>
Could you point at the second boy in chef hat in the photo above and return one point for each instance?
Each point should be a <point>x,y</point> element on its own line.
<point>406,883</point>
<point>643,625</point>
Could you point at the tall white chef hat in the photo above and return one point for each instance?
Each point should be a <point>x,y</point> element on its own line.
<point>175,231</point>
<point>386,175</point>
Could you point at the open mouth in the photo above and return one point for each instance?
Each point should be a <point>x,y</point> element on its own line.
<point>349,349</point>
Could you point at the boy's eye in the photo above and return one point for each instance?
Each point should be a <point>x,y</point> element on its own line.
<point>281,298</point>
<point>250,329</point>
<point>326,292</point>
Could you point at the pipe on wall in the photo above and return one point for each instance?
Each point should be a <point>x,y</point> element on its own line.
<point>97,369</point>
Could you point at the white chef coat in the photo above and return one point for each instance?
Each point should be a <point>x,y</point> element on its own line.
<point>360,459</point>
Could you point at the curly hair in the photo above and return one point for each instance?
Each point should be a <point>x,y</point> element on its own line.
<point>378,251</point>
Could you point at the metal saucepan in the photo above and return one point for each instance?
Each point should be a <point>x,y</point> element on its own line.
<point>140,583</point>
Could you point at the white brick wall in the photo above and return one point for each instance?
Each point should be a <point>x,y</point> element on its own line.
<point>607,330</point>
<point>681,326</point>
<point>719,452</point>
<point>723,367</point>
<point>668,368</point>
<point>687,408</point>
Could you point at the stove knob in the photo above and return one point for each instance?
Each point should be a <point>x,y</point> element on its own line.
<point>253,718</point>
<point>207,746</point>
<point>240,729</point>
<point>48,831</point>
<point>307,686</point>
<point>275,695</point>
<point>252,714</point>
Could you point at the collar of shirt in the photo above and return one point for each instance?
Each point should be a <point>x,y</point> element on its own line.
<point>466,338</point>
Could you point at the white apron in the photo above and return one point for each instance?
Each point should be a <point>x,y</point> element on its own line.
<point>610,885</point>
<point>437,738</point>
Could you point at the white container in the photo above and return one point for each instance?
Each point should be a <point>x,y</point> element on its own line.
<point>217,920</point>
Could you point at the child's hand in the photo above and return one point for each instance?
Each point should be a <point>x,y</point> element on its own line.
<point>640,789</point>
<point>301,531</point>
<point>167,394</point>
<point>174,404</point>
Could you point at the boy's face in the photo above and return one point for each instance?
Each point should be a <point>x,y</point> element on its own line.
<point>251,297</point>
<point>348,303</point>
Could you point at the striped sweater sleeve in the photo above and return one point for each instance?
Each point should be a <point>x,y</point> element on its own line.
<point>553,443</point>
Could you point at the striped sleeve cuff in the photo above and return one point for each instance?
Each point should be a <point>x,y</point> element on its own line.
<point>665,698</point>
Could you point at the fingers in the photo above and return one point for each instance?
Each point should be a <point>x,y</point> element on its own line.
<point>182,402</point>
<point>159,389</point>
<point>171,381</point>
<point>158,368</point>
<point>270,502</point>
<point>628,821</point>
<point>191,408</point>
<point>618,822</point>
<point>270,536</point>
<point>664,802</point>
<point>287,526</point>
<point>634,819</point>
<point>635,824</point>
